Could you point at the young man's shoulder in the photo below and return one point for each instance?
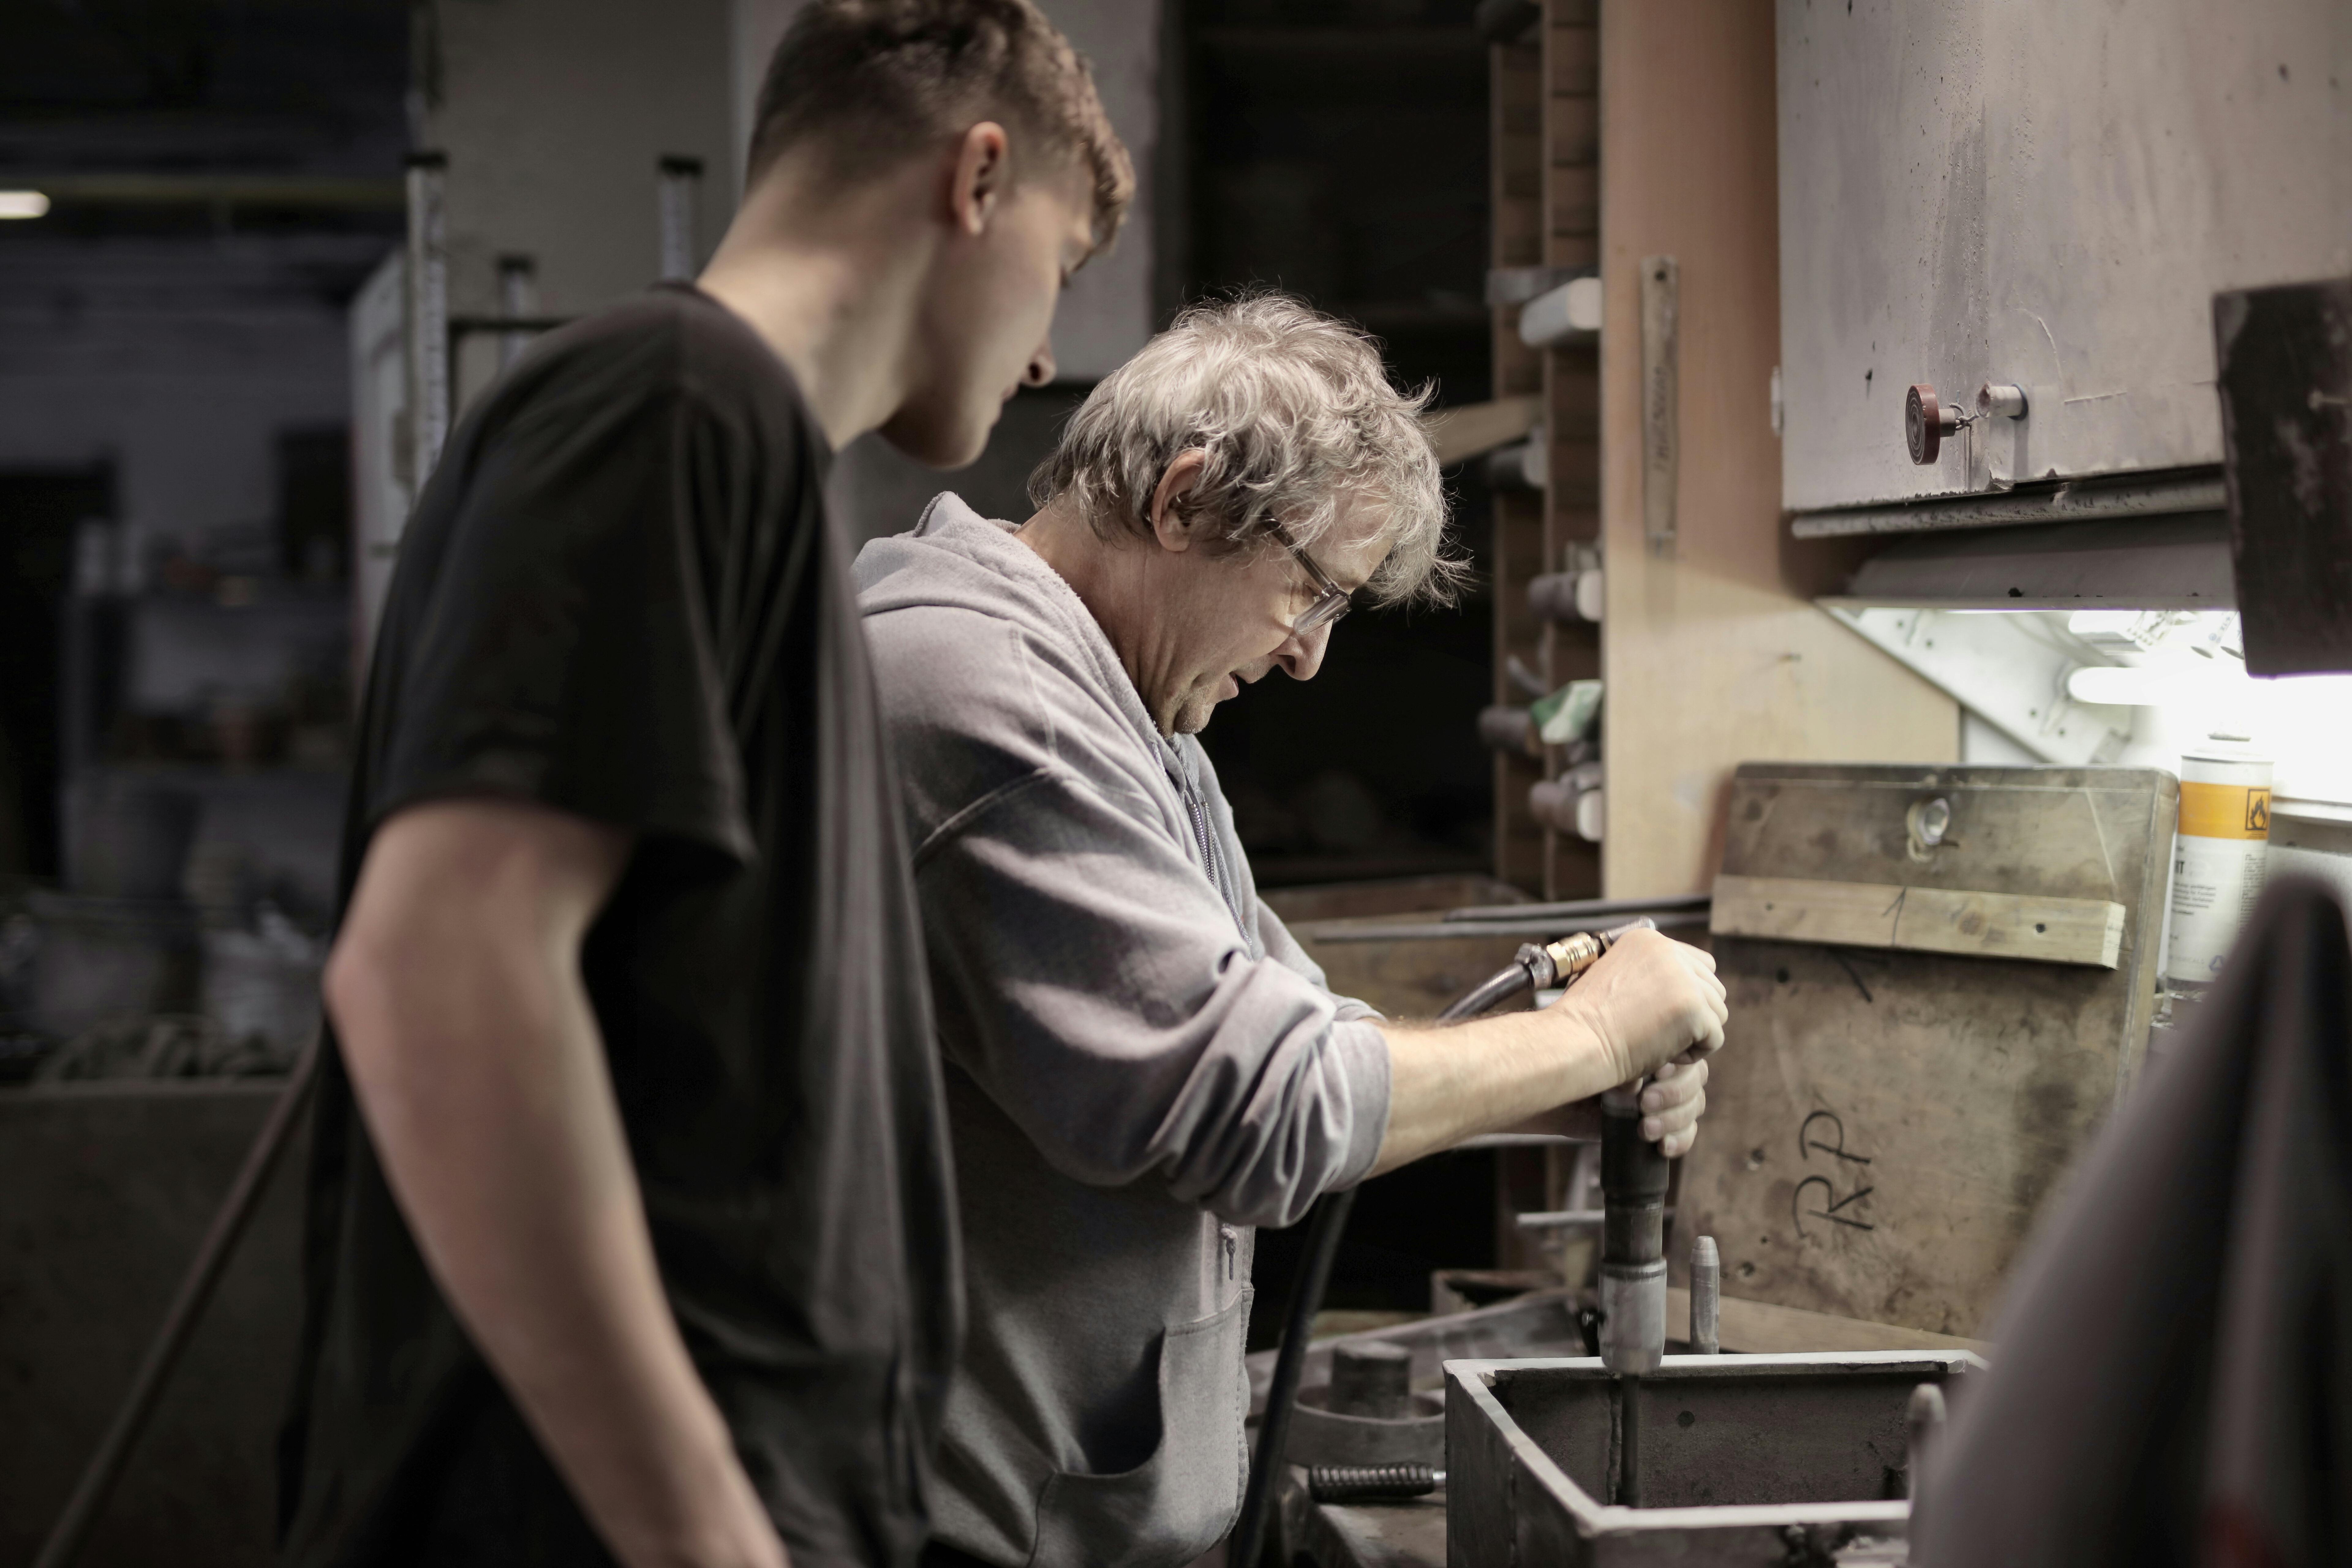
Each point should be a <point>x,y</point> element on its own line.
<point>662,344</point>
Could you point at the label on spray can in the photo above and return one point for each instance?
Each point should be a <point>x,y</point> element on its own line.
<point>2216,858</point>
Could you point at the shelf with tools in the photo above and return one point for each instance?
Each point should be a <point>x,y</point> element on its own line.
<point>1637,528</point>
<point>1545,152</point>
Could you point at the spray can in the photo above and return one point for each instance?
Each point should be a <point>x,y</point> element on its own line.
<point>2218,856</point>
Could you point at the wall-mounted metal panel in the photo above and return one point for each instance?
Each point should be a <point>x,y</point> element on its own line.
<point>2047,196</point>
<point>1881,239</point>
<point>2142,157</point>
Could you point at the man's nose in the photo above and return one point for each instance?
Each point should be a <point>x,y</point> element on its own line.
<point>1301,657</point>
<point>1041,365</point>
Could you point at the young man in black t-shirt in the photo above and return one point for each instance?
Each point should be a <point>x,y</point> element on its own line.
<point>630,1235</point>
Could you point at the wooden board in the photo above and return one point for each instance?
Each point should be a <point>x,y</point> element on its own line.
<point>1922,919</point>
<point>1884,1127</point>
<point>1477,428</point>
<point>1715,653</point>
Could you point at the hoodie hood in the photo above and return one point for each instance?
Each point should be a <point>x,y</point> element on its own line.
<point>954,558</point>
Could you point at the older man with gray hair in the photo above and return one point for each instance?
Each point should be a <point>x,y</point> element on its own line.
<point>1142,1063</point>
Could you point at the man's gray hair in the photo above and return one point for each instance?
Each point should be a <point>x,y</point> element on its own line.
<point>1296,414</point>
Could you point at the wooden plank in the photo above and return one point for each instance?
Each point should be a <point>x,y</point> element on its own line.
<point>1471,430</point>
<point>1885,1127</point>
<point>1714,655</point>
<point>1760,1328</point>
<point>1924,919</point>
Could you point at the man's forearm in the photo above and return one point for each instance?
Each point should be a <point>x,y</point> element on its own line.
<point>1650,1000</point>
<point>478,1065</point>
<point>1446,1084</point>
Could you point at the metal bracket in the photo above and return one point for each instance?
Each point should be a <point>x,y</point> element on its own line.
<point>1661,395</point>
<point>2010,670</point>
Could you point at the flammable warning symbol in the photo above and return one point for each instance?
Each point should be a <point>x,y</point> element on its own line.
<point>2258,811</point>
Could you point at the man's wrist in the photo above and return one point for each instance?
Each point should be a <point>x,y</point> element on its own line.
<point>1591,1053</point>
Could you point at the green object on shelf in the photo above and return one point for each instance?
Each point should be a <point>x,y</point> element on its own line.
<point>1567,714</point>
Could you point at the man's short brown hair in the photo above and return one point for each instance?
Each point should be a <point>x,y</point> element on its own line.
<point>873,81</point>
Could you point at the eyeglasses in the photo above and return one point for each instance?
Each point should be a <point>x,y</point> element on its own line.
<point>1328,606</point>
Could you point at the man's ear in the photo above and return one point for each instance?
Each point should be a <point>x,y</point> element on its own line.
<point>1168,524</point>
<point>982,177</point>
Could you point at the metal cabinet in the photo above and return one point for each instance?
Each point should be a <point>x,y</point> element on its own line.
<point>2045,195</point>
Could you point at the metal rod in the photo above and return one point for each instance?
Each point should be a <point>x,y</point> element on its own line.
<point>428,317</point>
<point>1923,1421</point>
<point>1706,1297</point>
<point>1581,909</point>
<point>1629,1456</point>
<point>105,1468</point>
<point>1450,929</point>
<point>1347,1484</point>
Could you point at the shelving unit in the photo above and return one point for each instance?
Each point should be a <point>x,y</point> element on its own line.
<point>1621,132</point>
<point>1545,159</point>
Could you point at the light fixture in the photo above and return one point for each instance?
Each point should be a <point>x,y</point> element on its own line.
<point>2120,686</point>
<point>23,203</point>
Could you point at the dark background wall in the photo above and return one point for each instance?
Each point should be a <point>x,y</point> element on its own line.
<point>1337,148</point>
<point>174,392</point>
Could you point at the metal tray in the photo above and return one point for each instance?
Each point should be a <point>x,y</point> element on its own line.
<point>1745,1459</point>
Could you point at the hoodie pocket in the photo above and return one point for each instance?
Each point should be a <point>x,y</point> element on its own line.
<point>1179,1501</point>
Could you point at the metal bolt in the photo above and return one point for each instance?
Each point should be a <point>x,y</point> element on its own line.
<point>1706,1297</point>
<point>2001,397</point>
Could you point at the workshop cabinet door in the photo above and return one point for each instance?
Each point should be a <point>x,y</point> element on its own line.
<point>2047,196</point>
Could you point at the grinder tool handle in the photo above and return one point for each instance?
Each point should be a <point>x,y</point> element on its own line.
<point>1634,1176</point>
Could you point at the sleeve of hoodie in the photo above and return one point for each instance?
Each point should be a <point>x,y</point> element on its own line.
<point>1283,947</point>
<point>1104,998</point>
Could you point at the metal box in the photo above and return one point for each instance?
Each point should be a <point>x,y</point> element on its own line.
<point>1748,1459</point>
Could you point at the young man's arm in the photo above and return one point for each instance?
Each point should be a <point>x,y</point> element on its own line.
<point>1648,1002</point>
<point>456,991</point>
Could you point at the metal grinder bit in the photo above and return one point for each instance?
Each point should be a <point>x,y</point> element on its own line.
<point>1706,1297</point>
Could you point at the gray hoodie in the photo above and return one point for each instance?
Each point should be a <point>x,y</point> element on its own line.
<point>1141,1062</point>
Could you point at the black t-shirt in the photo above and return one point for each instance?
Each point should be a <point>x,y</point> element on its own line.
<point>621,597</point>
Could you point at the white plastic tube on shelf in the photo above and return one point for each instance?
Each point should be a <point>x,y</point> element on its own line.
<point>1570,311</point>
<point>1567,595</point>
<point>1570,802</point>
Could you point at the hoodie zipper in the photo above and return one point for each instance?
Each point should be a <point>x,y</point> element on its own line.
<point>1211,861</point>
